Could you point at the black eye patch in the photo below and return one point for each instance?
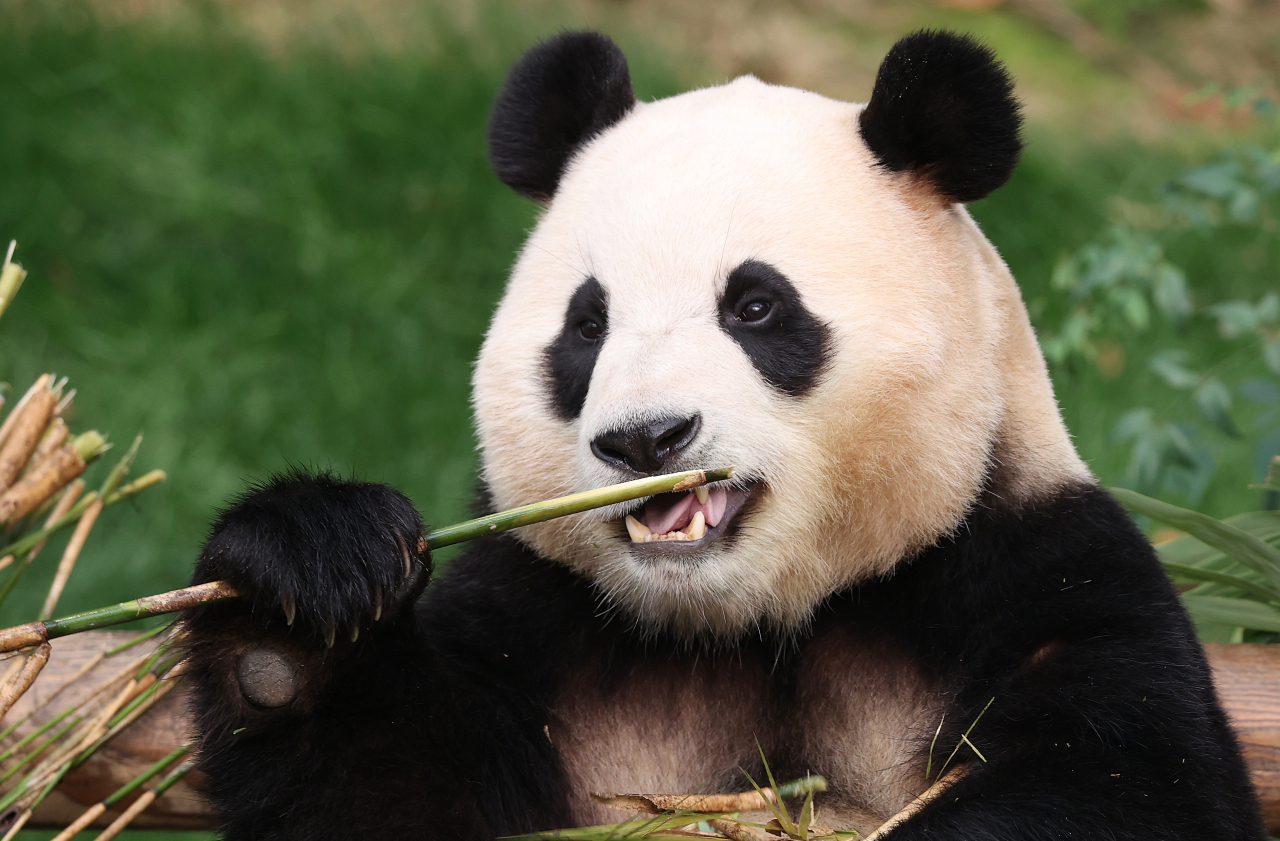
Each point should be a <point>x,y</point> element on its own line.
<point>762,311</point>
<point>570,359</point>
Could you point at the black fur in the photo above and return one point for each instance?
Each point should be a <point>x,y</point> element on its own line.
<point>788,345</point>
<point>559,95</point>
<point>943,109</point>
<point>1104,722</point>
<point>571,358</point>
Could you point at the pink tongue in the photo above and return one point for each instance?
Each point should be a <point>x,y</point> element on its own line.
<point>668,512</point>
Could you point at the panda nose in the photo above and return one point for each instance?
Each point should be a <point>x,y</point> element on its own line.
<point>647,447</point>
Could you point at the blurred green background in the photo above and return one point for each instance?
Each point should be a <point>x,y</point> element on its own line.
<point>264,234</point>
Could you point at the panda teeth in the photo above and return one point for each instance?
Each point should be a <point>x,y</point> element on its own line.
<point>639,531</point>
<point>703,493</point>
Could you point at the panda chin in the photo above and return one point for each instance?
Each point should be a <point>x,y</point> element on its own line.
<point>733,504</point>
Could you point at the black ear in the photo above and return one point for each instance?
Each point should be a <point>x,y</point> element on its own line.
<point>559,95</point>
<point>943,108</point>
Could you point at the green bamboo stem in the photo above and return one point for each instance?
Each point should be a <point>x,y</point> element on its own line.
<point>141,780</point>
<point>573,504</point>
<point>39,750</point>
<point>34,734</point>
<point>140,638</point>
<point>33,633</point>
<point>173,777</point>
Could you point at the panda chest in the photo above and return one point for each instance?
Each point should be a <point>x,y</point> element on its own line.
<point>853,711</point>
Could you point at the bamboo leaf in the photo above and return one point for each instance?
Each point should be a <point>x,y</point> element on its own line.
<point>1244,585</point>
<point>1239,545</point>
<point>1243,613</point>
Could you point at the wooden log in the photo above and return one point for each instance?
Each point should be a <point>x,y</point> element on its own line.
<point>1248,682</point>
<point>1247,677</point>
<point>158,731</point>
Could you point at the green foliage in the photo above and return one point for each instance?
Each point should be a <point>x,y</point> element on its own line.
<point>1118,287</point>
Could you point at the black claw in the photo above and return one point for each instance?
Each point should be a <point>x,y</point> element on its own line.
<point>290,609</point>
<point>377,602</point>
<point>355,631</point>
<point>329,636</point>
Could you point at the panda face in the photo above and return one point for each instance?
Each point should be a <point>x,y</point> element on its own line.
<point>728,277</point>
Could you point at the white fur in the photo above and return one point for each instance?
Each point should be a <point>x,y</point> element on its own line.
<point>935,359</point>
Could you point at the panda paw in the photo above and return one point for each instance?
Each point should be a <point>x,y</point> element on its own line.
<point>324,556</point>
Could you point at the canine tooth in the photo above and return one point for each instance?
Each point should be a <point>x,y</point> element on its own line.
<point>698,528</point>
<point>639,531</point>
<point>703,493</point>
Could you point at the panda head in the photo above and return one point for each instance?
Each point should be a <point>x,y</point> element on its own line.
<point>759,276</point>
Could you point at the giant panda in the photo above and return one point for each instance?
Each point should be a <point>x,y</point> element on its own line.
<point>911,564</point>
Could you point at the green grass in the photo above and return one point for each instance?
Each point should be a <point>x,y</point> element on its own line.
<point>268,258</point>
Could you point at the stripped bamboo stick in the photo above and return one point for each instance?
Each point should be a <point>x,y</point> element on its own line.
<point>748,801</point>
<point>69,555</point>
<point>928,796</point>
<point>33,633</point>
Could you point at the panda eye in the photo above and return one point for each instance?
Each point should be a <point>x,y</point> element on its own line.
<point>589,330</point>
<point>754,311</point>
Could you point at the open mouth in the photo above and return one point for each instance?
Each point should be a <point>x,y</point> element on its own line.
<point>687,519</point>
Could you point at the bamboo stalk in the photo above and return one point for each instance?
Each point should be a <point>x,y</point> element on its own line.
<point>41,383</point>
<point>69,555</point>
<point>54,437</point>
<point>50,476</point>
<point>25,434</point>
<point>33,633</point>
<point>30,671</point>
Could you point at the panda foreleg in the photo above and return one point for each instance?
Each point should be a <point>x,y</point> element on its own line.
<point>321,708</point>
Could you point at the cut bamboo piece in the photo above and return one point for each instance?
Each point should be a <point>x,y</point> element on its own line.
<point>41,384</point>
<point>52,474</point>
<point>25,434</point>
<point>739,831</point>
<point>11,277</point>
<point>54,437</point>
<point>33,633</point>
